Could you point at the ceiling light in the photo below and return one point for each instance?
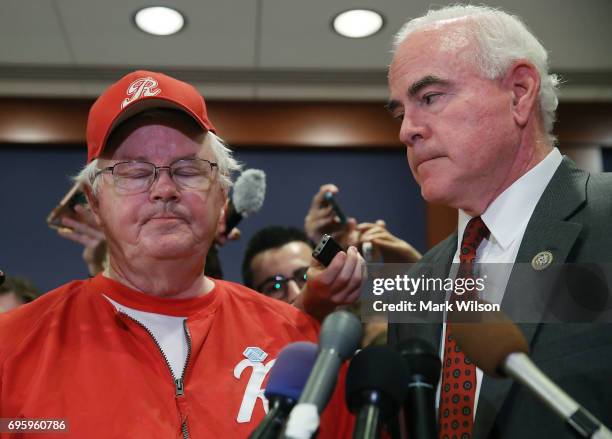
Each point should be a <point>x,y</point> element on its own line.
<point>159,20</point>
<point>358,23</point>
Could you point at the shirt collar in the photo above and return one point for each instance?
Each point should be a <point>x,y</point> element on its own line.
<point>140,301</point>
<point>509,213</point>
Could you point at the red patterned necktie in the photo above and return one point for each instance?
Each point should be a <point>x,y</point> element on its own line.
<point>456,417</point>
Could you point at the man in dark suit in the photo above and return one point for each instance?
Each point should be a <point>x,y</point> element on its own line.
<point>476,103</point>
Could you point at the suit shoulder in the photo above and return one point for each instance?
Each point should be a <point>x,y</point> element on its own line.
<point>599,188</point>
<point>604,178</point>
<point>598,206</point>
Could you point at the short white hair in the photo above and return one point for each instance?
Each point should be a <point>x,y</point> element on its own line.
<point>501,39</point>
<point>227,165</point>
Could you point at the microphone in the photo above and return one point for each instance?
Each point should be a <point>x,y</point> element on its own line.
<point>498,347</point>
<point>422,369</point>
<point>375,389</point>
<point>287,379</point>
<point>247,197</point>
<point>2,277</point>
<point>339,339</point>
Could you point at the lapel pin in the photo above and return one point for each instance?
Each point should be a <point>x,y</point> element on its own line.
<point>542,260</point>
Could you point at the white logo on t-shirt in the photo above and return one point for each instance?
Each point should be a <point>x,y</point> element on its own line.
<point>253,391</point>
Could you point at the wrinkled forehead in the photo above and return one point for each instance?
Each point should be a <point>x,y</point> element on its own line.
<point>155,127</point>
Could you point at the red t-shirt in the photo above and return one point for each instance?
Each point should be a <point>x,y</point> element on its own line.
<point>71,355</point>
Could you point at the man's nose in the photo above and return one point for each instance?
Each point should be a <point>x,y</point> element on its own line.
<point>413,130</point>
<point>293,290</point>
<point>164,188</point>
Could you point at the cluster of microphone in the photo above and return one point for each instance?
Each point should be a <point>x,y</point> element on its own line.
<point>396,386</point>
<point>379,381</point>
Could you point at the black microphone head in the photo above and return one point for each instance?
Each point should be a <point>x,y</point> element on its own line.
<point>376,369</point>
<point>2,277</point>
<point>421,360</point>
<point>341,331</point>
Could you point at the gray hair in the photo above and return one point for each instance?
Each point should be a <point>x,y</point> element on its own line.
<point>501,39</point>
<point>226,162</point>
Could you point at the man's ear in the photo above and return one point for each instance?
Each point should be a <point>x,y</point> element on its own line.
<point>221,222</point>
<point>94,205</point>
<point>523,80</point>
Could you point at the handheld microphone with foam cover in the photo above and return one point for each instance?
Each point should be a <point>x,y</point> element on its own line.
<point>287,379</point>
<point>497,346</point>
<point>247,197</point>
<point>338,340</point>
<point>375,389</point>
<point>422,370</point>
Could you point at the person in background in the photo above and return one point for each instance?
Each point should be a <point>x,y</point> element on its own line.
<point>151,347</point>
<point>16,291</point>
<point>276,261</point>
<point>321,219</point>
<point>385,247</point>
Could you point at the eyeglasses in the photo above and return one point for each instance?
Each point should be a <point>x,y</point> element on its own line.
<point>132,177</point>
<point>277,286</point>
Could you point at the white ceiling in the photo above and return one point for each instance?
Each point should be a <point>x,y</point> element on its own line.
<point>263,49</point>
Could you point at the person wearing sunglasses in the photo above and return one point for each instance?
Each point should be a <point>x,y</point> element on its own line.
<point>276,262</point>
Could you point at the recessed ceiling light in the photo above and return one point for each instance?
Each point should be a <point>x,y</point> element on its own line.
<point>159,20</point>
<point>358,23</point>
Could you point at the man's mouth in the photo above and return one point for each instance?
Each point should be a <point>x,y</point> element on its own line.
<point>165,218</point>
<point>427,159</point>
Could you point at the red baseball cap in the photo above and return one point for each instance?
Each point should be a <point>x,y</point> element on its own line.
<point>134,93</point>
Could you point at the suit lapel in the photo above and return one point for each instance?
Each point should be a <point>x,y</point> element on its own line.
<point>548,230</point>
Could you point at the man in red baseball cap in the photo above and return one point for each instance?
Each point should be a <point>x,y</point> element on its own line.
<point>151,347</point>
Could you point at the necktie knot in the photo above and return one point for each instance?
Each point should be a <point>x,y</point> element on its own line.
<point>474,233</point>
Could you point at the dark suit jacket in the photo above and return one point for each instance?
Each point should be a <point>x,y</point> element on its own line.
<point>572,220</point>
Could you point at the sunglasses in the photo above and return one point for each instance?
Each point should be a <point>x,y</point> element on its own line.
<point>277,286</point>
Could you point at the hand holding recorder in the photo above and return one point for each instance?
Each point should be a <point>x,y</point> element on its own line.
<point>334,278</point>
<point>326,217</point>
<point>386,246</point>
